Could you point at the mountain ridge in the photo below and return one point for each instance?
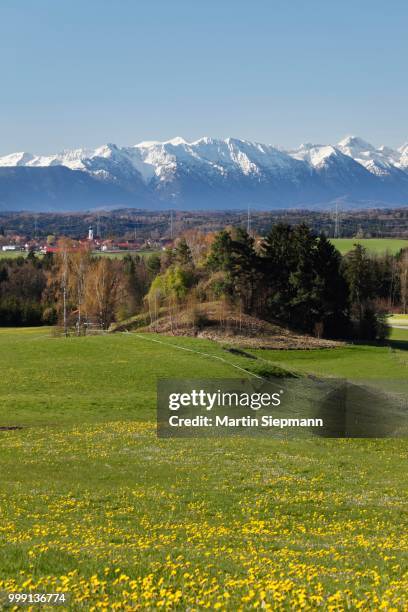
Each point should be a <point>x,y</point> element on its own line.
<point>207,173</point>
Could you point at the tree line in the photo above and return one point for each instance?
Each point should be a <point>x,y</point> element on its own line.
<point>292,276</point>
<point>72,289</point>
<point>125,224</point>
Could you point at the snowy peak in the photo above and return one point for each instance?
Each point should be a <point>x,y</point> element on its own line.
<point>150,159</point>
<point>403,160</point>
<point>316,156</point>
<point>380,161</point>
<point>16,159</point>
<point>213,156</point>
<point>353,145</point>
<point>212,172</point>
<point>178,140</point>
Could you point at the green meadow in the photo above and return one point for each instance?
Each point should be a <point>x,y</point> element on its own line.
<point>12,254</point>
<point>376,246</point>
<point>112,255</point>
<point>398,320</point>
<point>121,254</point>
<point>92,503</point>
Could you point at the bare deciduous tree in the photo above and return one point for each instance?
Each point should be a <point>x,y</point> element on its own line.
<point>79,264</point>
<point>103,291</point>
<point>403,267</point>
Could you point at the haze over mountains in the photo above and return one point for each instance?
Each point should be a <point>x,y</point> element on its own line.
<point>206,174</point>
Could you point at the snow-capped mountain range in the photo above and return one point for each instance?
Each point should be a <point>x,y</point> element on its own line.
<point>208,173</point>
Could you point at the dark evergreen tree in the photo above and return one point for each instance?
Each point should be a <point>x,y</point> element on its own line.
<point>359,273</point>
<point>182,254</point>
<point>244,268</point>
<point>331,295</point>
<point>303,281</point>
<point>220,255</point>
<point>303,304</point>
<point>47,261</point>
<point>386,278</point>
<point>277,264</point>
<point>3,274</point>
<point>153,264</point>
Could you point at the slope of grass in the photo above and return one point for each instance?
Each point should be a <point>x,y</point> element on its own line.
<point>351,362</point>
<point>92,503</point>
<point>383,367</point>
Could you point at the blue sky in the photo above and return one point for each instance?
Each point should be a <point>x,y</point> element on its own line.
<point>82,73</point>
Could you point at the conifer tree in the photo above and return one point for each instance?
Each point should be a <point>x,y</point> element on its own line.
<point>220,255</point>
<point>244,268</point>
<point>277,264</point>
<point>359,275</point>
<point>331,295</point>
<point>182,254</point>
<point>303,303</point>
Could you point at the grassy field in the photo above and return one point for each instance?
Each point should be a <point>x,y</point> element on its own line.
<point>344,245</point>
<point>12,254</point>
<point>114,255</point>
<point>377,246</point>
<point>121,254</point>
<point>94,504</point>
<point>351,362</point>
<point>399,335</point>
<point>399,320</point>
